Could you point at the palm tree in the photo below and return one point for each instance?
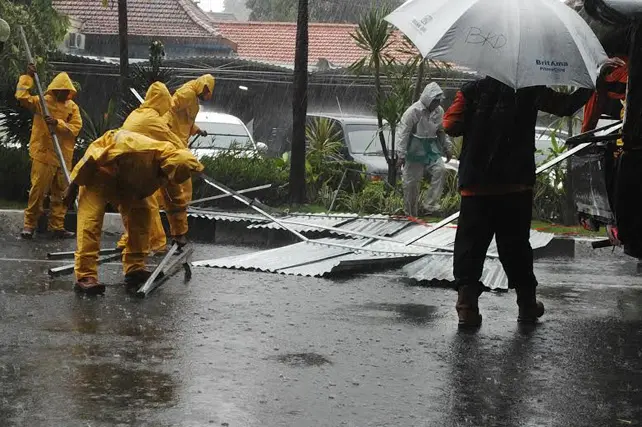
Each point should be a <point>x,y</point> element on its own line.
<point>374,35</point>
<point>299,107</point>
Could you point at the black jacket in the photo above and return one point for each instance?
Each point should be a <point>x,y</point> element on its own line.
<point>498,126</point>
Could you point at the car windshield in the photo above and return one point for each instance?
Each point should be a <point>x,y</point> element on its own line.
<point>223,136</point>
<point>364,138</point>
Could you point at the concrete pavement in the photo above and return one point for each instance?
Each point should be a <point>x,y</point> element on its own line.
<point>237,348</point>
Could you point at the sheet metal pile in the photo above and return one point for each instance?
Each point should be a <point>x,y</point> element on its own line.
<point>428,260</point>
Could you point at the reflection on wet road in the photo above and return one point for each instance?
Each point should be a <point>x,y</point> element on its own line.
<point>245,349</point>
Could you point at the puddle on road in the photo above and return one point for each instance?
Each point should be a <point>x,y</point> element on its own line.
<point>303,360</point>
<point>412,314</point>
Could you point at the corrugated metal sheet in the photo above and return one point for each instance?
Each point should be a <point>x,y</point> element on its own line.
<point>376,227</point>
<point>437,270</point>
<point>310,220</point>
<point>316,258</point>
<point>228,216</point>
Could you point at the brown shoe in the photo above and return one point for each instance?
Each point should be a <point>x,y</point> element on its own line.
<point>529,308</point>
<point>62,234</point>
<point>89,286</point>
<point>468,308</point>
<point>27,233</point>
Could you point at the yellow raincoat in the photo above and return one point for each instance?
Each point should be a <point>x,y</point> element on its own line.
<point>181,118</point>
<point>148,120</point>
<point>46,174</point>
<point>123,168</point>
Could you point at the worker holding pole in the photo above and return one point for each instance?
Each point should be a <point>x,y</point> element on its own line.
<point>124,168</point>
<point>181,118</point>
<point>62,118</point>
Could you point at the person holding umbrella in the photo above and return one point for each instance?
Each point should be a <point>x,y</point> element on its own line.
<point>496,178</point>
<point>521,46</point>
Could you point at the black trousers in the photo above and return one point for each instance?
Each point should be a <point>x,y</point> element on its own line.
<point>507,217</point>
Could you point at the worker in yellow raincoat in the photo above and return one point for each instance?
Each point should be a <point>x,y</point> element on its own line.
<point>148,120</point>
<point>47,175</point>
<point>181,118</point>
<point>123,168</point>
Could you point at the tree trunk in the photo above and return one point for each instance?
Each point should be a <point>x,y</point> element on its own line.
<point>391,158</point>
<point>299,107</point>
<point>420,80</point>
<point>392,169</point>
<point>124,49</point>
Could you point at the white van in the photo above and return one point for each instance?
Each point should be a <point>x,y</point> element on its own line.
<point>225,133</point>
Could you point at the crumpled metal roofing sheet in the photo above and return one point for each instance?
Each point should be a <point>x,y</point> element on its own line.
<point>437,270</point>
<point>538,240</point>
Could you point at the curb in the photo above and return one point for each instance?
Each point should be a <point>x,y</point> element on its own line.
<point>11,222</point>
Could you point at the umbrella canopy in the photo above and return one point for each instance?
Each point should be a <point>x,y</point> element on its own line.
<point>518,42</point>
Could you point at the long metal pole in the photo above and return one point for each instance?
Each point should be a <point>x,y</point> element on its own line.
<point>250,203</point>
<point>370,236</point>
<point>223,196</point>
<point>144,289</point>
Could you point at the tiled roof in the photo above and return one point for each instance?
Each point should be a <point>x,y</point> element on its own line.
<point>274,42</point>
<point>168,18</point>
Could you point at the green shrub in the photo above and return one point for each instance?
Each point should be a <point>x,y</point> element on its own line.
<point>451,198</point>
<point>237,172</point>
<point>375,198</point>
<point>15,173</point>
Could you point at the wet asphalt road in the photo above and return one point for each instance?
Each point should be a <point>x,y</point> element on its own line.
<point>251,349</point>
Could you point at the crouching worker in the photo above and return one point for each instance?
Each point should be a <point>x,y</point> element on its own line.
<point>47,175</point>
<point>422,143</point>
<point>122,168</point>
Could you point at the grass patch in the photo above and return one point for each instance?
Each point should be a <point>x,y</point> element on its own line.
<point>574,230</point>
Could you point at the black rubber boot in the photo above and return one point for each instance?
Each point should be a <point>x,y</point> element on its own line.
<point>62,234</point>
<point>137,278</point>
<point>529,308</point>
<point>468,306</point>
